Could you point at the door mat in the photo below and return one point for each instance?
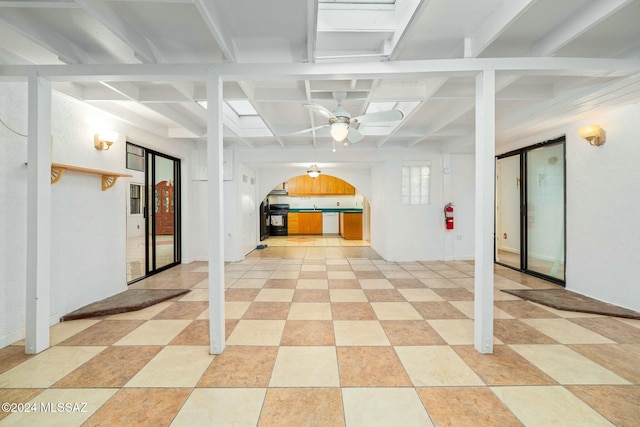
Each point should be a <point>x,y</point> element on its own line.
<point>129,300</point>
<point>563,299</point>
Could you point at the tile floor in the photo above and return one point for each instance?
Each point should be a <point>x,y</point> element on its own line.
<point>330,336</point>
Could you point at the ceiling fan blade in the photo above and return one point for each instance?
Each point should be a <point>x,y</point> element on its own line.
<point>307,130</point>
<point>354,135</point>
<point>381,116</point>
<point>316,108</point>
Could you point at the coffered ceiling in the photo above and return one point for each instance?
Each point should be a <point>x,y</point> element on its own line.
<point>439,109</point>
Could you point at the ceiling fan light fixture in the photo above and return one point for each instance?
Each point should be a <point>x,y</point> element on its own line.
<point>339,131</point>
<point>313,171</point>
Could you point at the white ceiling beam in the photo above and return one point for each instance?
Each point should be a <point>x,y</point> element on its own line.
<point>25,4</point>
<point>213,18</point>
<point>592,14</point>
<point>132,118</point>
<point>501,19</point>
<point>178,118</point>
<point>312,26</point>
<point>249,90</point>
<point>67,51</point>
<point>104,13</point>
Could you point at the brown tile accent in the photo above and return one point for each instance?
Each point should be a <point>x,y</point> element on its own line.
<point>344,284</point>
<point>308,332</point>
<point>280,284</point>
<point>611,328</point>
<point>352,311</point>
<point>311,295</point>
<point>411,332</point>
<point>182,310</point>
<point>17,395</point>
<point>241,294</point>
<point>105,332</point>
<point>384,295</point>
<point>407,283</point>
<point>229,326</point>
<point>371,367</point>
<point>240,366</point>
<point>466,406</point>
<point>312,275</point>
<point>369,274</point>
<point>338,267</point>
<point>454,294</point>
<point>437,310</point>
<point>513,331</point>
<point>113,367</point>
<point>622,359</point>
<point>524,310</point>
<point>302,407</point>
<point>140,407</point>
<point>619,404</point>
<point>197,333</point>
<point>267,311</point>
<point>503,367</point>
<point>12,356</point>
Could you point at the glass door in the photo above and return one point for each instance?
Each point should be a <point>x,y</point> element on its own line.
<point>530,210</point>
<point>163,212</point>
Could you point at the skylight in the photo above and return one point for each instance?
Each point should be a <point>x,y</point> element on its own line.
<point>242,107</point>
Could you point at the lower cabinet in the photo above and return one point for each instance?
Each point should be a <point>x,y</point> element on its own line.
<point>351,225</point>
<point>305,222</point>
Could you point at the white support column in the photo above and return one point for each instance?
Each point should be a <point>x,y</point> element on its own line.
<point>484,218</point>
<point>38,216</point>
<point>215,214</point>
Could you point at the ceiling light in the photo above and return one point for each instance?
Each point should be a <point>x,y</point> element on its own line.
<point>313,171</point>
<point>339,131</point>
<point>594,134</point>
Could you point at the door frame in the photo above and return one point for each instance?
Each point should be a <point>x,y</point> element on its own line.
<point>522,152</point>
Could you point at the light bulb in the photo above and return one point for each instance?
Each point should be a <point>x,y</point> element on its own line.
<point>339,131</point>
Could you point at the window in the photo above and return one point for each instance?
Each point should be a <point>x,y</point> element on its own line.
<point>415,184</point>
<point>135,157</point>
<point>135,199</point>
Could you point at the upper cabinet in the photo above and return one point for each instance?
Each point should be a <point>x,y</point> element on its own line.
<point>324,185</point>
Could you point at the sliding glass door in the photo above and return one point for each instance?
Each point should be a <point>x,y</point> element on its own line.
<point>530,210</point>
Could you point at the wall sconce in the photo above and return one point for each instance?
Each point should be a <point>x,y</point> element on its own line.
<point>104,140</point>
<point>313,171</point>
<point>594,134</point>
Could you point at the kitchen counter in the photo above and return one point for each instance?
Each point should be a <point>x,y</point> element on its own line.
<point>338,209</point>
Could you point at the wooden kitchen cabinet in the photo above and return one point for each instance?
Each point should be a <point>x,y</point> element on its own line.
<point>305,222</point>
<point>324,185</point>
<point>351,225</point>
<point>293,223</point>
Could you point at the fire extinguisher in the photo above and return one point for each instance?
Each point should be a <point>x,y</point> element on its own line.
<point>448,216</point>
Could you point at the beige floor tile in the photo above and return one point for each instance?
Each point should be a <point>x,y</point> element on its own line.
<point>174,366</point>
<point>275,295</point>
<point>567,366</point>
<point>310,311</point>
<point>63,330</point>
<point>359,333</point>
<point>313,284</point>
<point>257,332</point>
<point>235,309</point>
<point>221,407</point>
<point>454,331</point>
<point>436,366</point>
<point>549,406</point>
<point>303,366</point>
<point>82,406</point>
<point>285,274</point>
<point>46,368</point>
<point>314,267</point>
<point>632,322</point>
<point>395,311</point>
<point>388,406</point>
<point>249,283</point>
<point>257,274</point>
<point>467,307</point>
<point>196,295</point>
<point>154,332</point>
<point>566,332</point>
<point>340,275</point>
<point>347,295</point>
<point>375,284</point>
<point>420,295</point>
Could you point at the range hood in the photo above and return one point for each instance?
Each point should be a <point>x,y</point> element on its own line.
<point>279,192</point>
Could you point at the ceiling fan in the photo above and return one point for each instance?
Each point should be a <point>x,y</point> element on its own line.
<point>343,126</point>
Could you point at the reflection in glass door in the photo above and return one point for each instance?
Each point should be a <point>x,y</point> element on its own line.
<point>163,212</point>
<point>530,210</point>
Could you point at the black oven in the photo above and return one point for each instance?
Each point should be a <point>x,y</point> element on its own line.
<point>278,220</point>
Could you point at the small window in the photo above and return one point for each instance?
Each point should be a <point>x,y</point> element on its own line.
<point>415,184</point>
<point>135,199</point>
<point>135,157</point>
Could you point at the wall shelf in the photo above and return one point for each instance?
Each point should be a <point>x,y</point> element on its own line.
<point>108,178</point>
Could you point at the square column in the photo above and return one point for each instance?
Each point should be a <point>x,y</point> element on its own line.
<point>215,213</point>
<point>484,215</point>
<point>38,216</point>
